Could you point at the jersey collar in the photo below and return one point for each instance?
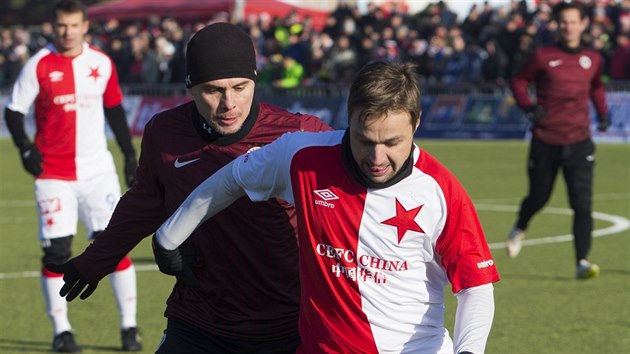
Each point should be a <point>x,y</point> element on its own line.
<point>568,50</point>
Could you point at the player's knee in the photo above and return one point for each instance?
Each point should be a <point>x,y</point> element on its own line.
<point>57,250</point>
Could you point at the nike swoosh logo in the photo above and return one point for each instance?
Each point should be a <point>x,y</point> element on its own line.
<point>554,63</point>
<point>184,163</point>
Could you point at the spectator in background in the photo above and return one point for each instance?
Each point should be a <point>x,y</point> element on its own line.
<point>473,24</point>
<point>457,63</point>
<point>165,50</point>
<point>567,76</point>
<point>144,65</point>
<point>509,39</point>
<point>526,47</point>
<point>343,60</point>
<point>292,73</point>
<point>494,66</point>
<point>74,87</point>
<point>620,59</point>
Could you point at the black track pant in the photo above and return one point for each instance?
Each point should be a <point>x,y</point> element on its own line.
<point>577,162</point>
<point>183,338</point>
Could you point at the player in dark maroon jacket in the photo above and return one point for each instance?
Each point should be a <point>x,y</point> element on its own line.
<point>243,296</point>
<point>566,77</point>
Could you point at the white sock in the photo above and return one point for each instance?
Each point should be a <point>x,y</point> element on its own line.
<point>124,287</point>
<point>56,306</point>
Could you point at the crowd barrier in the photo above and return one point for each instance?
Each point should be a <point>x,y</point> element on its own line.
<point>448,114</point>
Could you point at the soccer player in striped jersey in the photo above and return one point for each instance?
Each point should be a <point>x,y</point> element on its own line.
<point>74,88</point>
<point>383,227</point>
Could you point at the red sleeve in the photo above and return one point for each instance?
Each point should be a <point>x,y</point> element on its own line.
<point>138,214</point>
<point>462,246</point>
<point>113,94</point>
<point>598,89</point>
<point>520,82</point>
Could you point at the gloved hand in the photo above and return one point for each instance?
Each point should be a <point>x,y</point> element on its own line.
<point>602,122</point>
<point>534,113</point>
<point>31,159</point>
<point>171,262</point>
<point>131,164</point>
<point>74,282</point>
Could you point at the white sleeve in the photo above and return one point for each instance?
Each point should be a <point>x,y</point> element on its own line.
<point>265,173</point>
<point>473,319</point>
<point>261,174</point>
<point>214,194</point>
<point>25,89</point>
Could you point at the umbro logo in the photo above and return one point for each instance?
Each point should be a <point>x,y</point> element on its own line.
<point>180,164</point>
<point>324,196</point>
<point>55,76</point>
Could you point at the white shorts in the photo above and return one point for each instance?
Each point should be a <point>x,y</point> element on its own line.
<point>60,204</point>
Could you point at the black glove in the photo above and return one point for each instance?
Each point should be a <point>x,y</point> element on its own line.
<point>172,263</point>
<point>31,159</point>
<point>534,113</point>
<point>131,164</point>
<point>602,122</point>
<point>74,281</point>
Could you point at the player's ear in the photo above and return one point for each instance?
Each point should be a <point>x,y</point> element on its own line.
<point>417,123</point>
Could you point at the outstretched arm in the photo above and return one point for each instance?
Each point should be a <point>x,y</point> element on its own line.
<point>210,197</point>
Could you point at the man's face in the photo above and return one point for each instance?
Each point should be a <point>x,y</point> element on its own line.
<point>224,103</point>
<point>70,30</point>
<point>382,145</point>
<point>571,26</point>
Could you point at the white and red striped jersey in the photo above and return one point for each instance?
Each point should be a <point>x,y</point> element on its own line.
<point>374,262</point>
<point>69,94</point>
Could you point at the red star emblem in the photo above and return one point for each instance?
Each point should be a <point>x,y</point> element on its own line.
<point>50,222</point>
<point>94,73</point>
<point>404,220</point>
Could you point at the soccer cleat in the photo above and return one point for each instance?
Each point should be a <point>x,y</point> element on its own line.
<point>514,242</point>
<point>131,339</point>
<point>586,270</point>
<point>64,343</point>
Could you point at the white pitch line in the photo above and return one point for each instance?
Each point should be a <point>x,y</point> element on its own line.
<point>37,274</point>
<point>619,224</point>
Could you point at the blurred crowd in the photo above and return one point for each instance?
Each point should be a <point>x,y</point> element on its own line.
<point>488,45</point>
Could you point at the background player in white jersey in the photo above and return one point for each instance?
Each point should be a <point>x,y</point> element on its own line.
<point>383,227</point>
<point>73,87</point>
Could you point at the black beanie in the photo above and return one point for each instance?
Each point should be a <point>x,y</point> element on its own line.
<point>219,51</point>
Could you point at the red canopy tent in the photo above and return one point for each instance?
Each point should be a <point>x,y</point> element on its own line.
<point>277,8</point>
<point>139,9</point>
<point>125,10</point>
